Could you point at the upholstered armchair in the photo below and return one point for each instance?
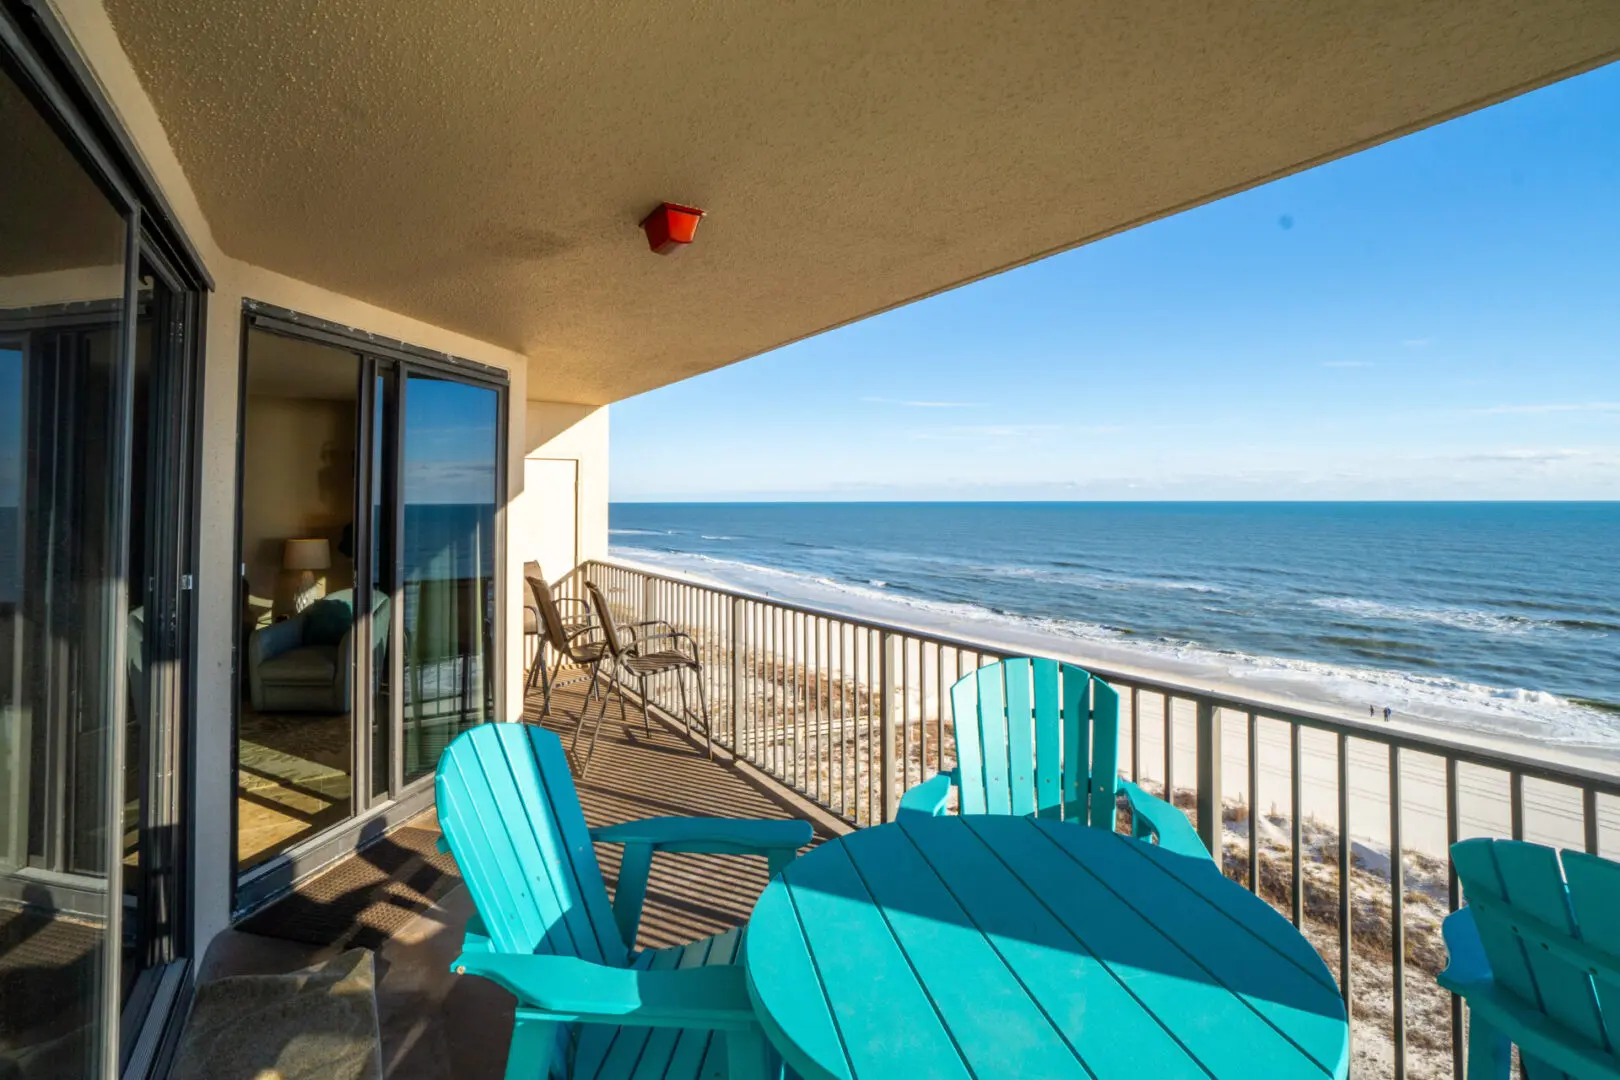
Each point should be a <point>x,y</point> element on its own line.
<point>306,663</point>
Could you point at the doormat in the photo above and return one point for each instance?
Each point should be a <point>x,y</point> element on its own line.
<point>316,1024</point>
<point>366,898</point>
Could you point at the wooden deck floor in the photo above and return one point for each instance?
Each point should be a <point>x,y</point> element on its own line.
<point>637,773</point>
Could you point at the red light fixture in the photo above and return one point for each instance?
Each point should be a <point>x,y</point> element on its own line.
<point>671,227</point>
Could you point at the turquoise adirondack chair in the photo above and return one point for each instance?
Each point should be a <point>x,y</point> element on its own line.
<point>1041,737</point>
<point>590,1005</point>
<point>1536,954</point>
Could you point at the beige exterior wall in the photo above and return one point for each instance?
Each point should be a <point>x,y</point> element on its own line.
<point>556,435</point>
<point>584,439</point>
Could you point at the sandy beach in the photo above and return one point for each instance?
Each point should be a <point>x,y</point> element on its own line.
<point>1552,812</point>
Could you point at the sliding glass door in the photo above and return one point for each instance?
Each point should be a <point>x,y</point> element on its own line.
<point>96,376</point>
<point>302,434</point>
<point>370,482</point>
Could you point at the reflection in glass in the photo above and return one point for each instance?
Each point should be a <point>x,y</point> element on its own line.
<point>450,447</point>
<point>61,307</point>
<point>295,724</point>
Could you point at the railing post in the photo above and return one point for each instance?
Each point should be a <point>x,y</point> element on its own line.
<point>888,676</point>
<point>736,675</point>
<point>1209,778</point>
<point>649,597</point>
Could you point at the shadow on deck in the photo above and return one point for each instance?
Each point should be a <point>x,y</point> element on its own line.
<point>436,1025</point>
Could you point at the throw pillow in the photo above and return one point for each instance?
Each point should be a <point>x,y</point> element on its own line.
<point>326,621</point>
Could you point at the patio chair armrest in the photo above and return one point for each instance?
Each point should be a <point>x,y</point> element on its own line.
<point>778,840</point>
<point>1466,965</point>
<point>1152,816</point>
<point>684,643</point>
<point>659,627</point>
<point>566,988</point>
<point>710,835</point>
<point>928,798</point>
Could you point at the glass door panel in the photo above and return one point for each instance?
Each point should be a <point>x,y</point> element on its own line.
<point>297,716</point>
<point>450,448</point>
<point>62,372</point>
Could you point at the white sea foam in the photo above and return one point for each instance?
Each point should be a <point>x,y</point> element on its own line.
<point>1435,699</point>
<point>641,532</point>
<point>1457,618</point>
<point>708,537</point>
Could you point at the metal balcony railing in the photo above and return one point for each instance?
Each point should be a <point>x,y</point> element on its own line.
<point>848,712</point>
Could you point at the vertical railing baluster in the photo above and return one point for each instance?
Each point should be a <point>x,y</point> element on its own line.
<point>1136,735</point>
<point>1397,908</point>
<point>1516,803</point>
<point>1169,748</point>
<point>737,603</point>
<point>1208,800</point>
<point>1254,803</point>
<point>1459,1053</point>
<point>1297,827</point>
<point>1344,870</point>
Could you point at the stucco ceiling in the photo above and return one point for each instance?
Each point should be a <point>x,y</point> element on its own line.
<point>484,166</point>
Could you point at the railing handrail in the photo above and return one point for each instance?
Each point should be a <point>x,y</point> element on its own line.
<point>1403,738</point>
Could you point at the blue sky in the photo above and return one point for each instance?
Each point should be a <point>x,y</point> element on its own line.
<point>1438,317</point>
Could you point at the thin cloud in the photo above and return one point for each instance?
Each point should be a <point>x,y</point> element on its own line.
<point>1526,410</point>
<point>1532,457</point>
<point>988,431</point>
<point>923,404</point>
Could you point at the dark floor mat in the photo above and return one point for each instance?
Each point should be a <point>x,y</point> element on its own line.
<point>48,970</point>
<point>367,897</point>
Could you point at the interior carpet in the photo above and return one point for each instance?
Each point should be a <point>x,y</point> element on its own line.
<point>367,897</point>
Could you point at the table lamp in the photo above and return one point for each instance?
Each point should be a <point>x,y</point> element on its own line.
<point>307,556</point>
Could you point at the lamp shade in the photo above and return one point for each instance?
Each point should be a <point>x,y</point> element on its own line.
<point>307,555</point>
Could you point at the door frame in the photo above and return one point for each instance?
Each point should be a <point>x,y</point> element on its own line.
<point>371,816</point>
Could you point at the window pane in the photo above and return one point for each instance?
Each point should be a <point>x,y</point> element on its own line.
<point>295,723</point>
<point>61,308</point>
<point>449,563</point>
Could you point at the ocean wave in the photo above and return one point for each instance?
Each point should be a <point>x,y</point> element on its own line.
<point>1456,618</point>
<point>641,532</point>
<point>706,536</point>
<point>1412,695</point>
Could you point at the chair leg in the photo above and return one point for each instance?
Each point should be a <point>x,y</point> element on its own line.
<point>585,708</point>
<point>1490,1055</point>
<point>533,1043</point>
<point>596,729</point>
<point>748,1056</point>
<point>703,706</point>
<point>545,681</point>
<point>686,709</point>
<point>646,724</point>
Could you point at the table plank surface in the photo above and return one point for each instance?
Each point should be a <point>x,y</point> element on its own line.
<point>999,945</point>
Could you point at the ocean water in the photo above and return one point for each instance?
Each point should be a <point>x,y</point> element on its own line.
<point>1503,618</point>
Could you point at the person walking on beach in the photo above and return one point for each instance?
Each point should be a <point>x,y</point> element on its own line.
<point>1386,714</point>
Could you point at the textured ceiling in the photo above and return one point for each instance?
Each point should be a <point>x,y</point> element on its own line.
<point>483,166</point>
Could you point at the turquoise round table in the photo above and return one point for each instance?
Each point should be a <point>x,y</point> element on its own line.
<point>1010,947</point>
